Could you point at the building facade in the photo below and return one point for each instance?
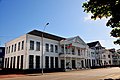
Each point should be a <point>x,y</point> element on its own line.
<point>40,50</point>
<point>98,51</point>
<point>25,52</point>
<point>107,59</point>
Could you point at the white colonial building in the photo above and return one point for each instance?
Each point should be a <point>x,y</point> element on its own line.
<point>25,52</point>
<point>107,57</point>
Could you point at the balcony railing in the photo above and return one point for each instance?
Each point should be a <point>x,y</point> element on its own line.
<point>71,55</point>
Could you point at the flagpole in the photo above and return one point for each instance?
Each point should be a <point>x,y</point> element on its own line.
<point>42,46</point>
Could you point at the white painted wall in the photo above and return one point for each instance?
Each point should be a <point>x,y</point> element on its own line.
<point>17,53</point>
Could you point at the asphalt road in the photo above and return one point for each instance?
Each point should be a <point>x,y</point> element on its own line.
<point>90,74</point>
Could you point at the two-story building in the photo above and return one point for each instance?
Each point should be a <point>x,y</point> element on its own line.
<point>98,50</point>
<point>107,59</point>
<point>37,49</point>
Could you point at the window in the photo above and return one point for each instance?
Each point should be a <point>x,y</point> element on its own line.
<point>15,48</point>
<point>78,52</point>
<point>5,62</point>
<point>47,47</point>
<point>18,61</point>
<point>12,49</point>
<point>31,45</point>
<point>18,46</point>
<point>51,48</point>
<point>56,62</point>
<point>73,51</point>
<point>56,49</point>
<point>14,62</point>
<point>104,56</point>
<point>0,50</point>
<point>22,47</point>
<point>62,49</point>
<point>8,62</point>
<point>31,63</point>
<point>109,61</point>
<point>37,62</point>
<point>52,62</point>
<point>11,62</point>
<point>21,66</point>
<point>46,62</point>
<point>108,56</point>
<point>37,46</point>
<point>9,50</point>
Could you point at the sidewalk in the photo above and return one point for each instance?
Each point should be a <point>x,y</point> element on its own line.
<point>11,76</point>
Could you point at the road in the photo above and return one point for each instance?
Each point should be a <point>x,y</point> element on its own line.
<point>90,74</point>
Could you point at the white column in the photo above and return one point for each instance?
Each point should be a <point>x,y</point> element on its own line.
<point>71,62</point>
<point>65,56</point>
<point>20,62</point>
<point>9,62</point>
<point>59,62</point>
<point>26,62</point>
<point>76,63</point>
<point>91,62</point>
<point>75,51</point>
<point>34,66</point>
<point>49,62</point>
<point>54,61</point>
<point>16,62</point>
<point>84,63</point>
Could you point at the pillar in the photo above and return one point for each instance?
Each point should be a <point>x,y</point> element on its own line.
<point>64,57</point>
<point>49,62</point>
<point>54,61</point>
<point>34,62</point>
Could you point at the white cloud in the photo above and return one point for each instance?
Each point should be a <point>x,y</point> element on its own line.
<point>87,18</point>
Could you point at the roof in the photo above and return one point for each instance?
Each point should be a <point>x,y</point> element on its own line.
<point>92,44</point>
<point>46,35</point>
<point>76,39</point>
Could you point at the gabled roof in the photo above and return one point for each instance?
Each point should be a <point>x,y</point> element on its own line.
<point>94,44</point>
<point>45,35</point>
<point>76,39</point>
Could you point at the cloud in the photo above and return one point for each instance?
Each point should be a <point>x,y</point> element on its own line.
<point>87,18</point>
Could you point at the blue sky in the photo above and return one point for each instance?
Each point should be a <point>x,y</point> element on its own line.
<point>66,18</point>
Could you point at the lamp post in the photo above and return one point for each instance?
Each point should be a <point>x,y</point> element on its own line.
<point>42,45</point>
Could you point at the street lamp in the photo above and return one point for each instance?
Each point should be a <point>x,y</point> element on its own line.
<point>42,45</point>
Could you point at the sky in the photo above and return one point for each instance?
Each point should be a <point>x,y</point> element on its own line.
<point>65,17</point>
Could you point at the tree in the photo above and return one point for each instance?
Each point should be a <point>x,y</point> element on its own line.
<point>106,8</point>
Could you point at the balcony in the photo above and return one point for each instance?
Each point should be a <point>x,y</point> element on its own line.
<point>73,55</point>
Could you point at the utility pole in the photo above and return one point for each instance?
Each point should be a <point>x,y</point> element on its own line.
<point>42,45</point>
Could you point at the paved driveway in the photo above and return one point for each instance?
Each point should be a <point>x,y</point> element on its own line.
<point>91,74</point>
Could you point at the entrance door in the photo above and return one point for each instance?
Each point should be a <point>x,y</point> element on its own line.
<point>62,63</point>
<point>73,64</point>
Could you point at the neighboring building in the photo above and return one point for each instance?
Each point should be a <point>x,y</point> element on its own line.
<point>93,57</point>
<point>118,51</point>
<point>2,53</point>
<point>115,57</point>
<point>25,52</point>
<point>107,59</point>
<point>98,49</point>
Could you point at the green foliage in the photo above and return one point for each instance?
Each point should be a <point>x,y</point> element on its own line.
<point>117,41</point>
<point>105,8</point>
